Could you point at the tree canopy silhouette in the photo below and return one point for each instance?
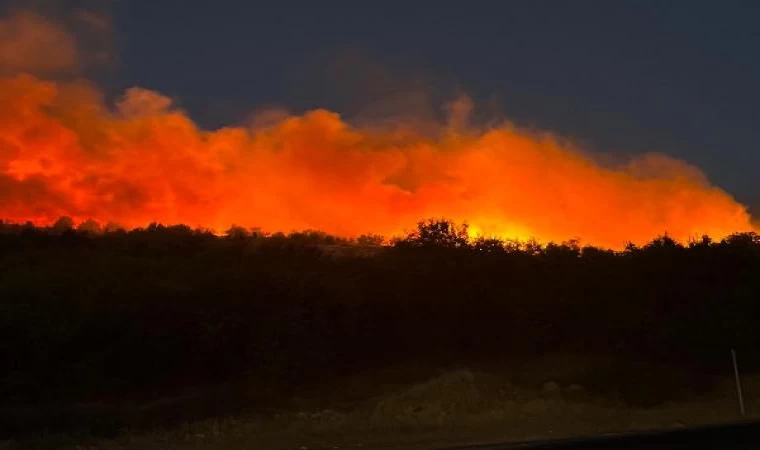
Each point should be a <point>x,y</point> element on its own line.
<point>143,308</point>
<point>437,233</point>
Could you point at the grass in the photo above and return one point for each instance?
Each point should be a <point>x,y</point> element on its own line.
<point>461,406</point>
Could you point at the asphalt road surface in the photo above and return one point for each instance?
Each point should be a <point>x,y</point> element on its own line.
<point>738,436</point>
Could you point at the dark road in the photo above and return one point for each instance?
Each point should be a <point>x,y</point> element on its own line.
<point>739,436</point>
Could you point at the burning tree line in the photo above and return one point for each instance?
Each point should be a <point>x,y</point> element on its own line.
<point>85,314</point>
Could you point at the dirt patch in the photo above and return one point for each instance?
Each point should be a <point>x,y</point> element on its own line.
<point>440,401</point>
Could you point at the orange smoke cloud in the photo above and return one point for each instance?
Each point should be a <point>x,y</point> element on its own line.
<point>30,42</point>
<point>63,151</point>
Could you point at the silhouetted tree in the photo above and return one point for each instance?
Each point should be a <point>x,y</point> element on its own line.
<point>372,240</point>
<point>438,233</point>
<point>237,233</point>
<point>488,245</point>
<point>62,225</point>
<point>89,226</point>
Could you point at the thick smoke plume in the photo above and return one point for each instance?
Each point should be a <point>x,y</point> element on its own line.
<point>31,42</point>
<point>65,152</point>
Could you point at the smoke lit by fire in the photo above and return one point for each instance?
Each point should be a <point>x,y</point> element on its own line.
<point>64,151</point>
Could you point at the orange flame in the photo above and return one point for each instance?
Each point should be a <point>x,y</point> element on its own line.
<point>63,151</point>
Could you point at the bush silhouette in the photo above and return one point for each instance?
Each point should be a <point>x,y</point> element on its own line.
<point>85,314</point>
<point>437,233</point>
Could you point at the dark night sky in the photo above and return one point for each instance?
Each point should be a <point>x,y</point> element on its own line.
<point>634,76</point>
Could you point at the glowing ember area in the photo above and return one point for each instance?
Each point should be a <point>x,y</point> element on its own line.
<point>64,152</point>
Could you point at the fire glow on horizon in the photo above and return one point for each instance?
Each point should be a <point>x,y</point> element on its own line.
<point>64,151</point>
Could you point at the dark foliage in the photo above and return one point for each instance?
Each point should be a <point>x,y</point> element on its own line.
<point>86,313</point>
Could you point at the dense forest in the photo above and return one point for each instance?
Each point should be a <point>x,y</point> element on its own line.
<point>87,313</point>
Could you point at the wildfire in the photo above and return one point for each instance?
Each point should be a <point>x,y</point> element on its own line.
<point>65,151</point>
